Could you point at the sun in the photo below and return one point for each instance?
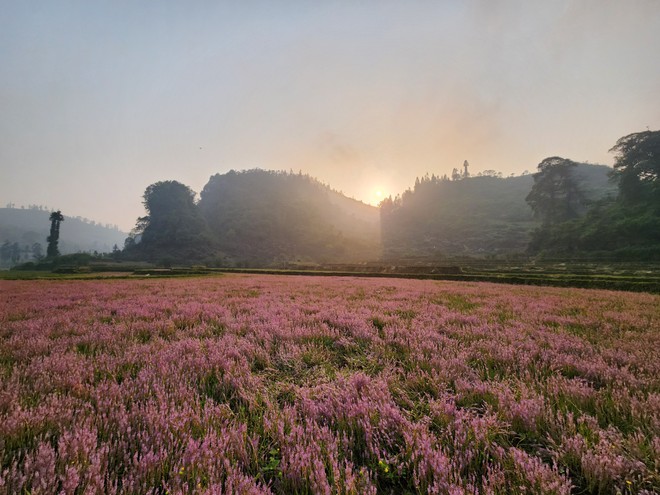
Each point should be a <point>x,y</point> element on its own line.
<point>377,195</point>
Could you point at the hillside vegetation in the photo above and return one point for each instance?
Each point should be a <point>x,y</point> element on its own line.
<point>261,215</point>
<point>29,226</point>
<point>265,218</point>
<point>485,215</point>
<point>256,217</point>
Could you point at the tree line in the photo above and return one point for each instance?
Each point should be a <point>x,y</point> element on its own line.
<point>13,253</point>
<point>564,209</point>
<point>626,225</point>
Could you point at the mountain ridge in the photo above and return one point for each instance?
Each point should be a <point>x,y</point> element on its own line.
<point>27,226</point>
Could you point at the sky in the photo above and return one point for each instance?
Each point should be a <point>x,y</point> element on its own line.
<point>99,99</point>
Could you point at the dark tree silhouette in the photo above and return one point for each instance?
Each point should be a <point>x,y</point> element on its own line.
<point>555,196</point>
<point>55,218</point>
<point>173,227</point>
<point>637,167</point>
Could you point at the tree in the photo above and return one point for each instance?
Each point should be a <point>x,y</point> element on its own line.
<point>490,173</point>
<point>55,218</point>
<point>15,253</point>
<point>637,167</point>
<point>555,196</point>
<point>37,251</point>
<point>5,252</point>
<point>173,226</point>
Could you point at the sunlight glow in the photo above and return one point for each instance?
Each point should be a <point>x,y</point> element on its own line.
<point>377,195</point>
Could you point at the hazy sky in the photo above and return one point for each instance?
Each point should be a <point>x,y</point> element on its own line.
<point>99,99</point>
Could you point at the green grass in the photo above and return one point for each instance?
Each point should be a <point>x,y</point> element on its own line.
<point>625,276</point>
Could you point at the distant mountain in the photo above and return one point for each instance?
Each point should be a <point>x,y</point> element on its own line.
<point>470,216</point>
<point>260,216</point>
<point>29,226</point>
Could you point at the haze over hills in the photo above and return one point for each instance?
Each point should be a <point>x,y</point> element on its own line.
<point>268,218</point>
<point>290,217</point>
<point>27,226</point>
<point>259,217</point>
<point>484,215</point>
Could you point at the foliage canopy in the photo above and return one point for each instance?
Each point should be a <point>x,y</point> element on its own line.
<point>55,218</point>
<point>556,195</point>
<point>637,167</point>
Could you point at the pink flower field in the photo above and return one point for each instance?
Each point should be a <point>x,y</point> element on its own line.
<point>273,384</point>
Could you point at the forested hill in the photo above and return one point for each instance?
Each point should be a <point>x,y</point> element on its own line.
<point>471,216</point>
<point>264,216</point>
<point>29,226</point>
